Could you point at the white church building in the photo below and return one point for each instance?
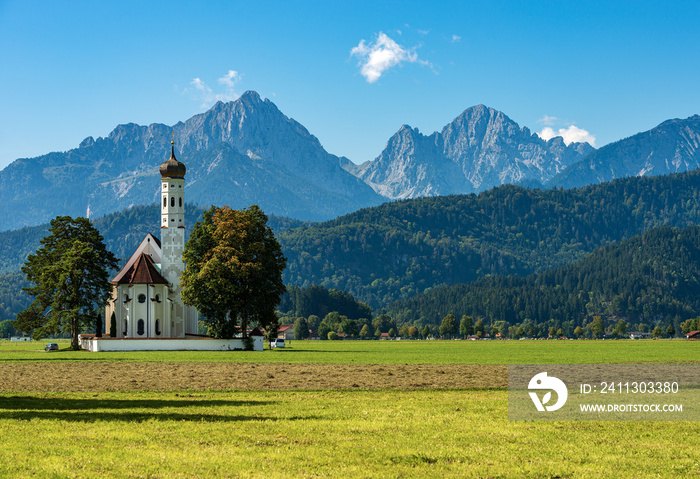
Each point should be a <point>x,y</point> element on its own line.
<point>146,311</point>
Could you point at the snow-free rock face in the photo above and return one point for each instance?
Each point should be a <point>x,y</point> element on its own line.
<point>238,153</point>
<point>671,147</point>
<point>480,149</point>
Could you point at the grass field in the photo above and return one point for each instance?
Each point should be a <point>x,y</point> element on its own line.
<point>330,409</point>
<point>398,352</point>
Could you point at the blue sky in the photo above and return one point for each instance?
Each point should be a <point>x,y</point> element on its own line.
<point>351,72</point>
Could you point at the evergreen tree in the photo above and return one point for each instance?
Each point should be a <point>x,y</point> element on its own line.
<point>301,328</point>
<point>69,274</point>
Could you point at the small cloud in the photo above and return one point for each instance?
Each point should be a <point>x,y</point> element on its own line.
<point>423,32</point>
<point>455,38</point>
<point>548,120</point>
<point>384,53</point>
<point>207,96</point>
<point>572,134</point>
<point>230,79</point>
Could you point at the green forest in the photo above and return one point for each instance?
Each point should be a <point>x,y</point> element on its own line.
<point>397,250</point>
<point>648,280</point>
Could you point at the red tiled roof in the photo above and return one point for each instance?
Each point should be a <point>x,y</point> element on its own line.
<point>143,271</point>
<point>284,327</point>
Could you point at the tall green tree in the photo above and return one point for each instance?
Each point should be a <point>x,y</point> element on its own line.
<point>466,326</point>
<point>301,328</point>
<point>69,275</point>
<point>233,270</point>
<point>7,329</point>
<point>449,326</point>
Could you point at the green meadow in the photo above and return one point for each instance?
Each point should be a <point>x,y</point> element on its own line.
<point>397,352</point>
<point>375,432</point>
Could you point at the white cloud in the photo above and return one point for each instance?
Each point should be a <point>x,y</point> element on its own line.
<point>376,58</point>
<point>456,38</point>
<point>548,120</point>
<point>207,96</point>
<point>572,134</point>
<point>230,79</point>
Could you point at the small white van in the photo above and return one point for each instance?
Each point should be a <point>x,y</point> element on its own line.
<point>277,343</point>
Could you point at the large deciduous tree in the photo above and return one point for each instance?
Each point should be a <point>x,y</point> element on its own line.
<point>233,270</point>
<point>69,274</point>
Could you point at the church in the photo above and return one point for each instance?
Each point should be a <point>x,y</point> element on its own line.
<point>146,300</point>
<point>146,311</point>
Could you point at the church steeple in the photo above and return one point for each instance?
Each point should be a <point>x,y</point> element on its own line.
<point>171,168</point>
<point>172,228</point>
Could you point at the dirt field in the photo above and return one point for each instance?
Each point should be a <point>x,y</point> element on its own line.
<point>168,376</point>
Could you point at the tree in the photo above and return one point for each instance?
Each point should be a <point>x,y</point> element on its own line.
<point>671,331</point>
<point>392,333</point>
<point>426,331</point>
<point>332,335</point>
<point>233,272</point>
<point>479,329</point>
<point>449,327</point>
<point>597,326</point>
<point>466,326</point>
<point>578,331</point>
<point>70,278</point>
<point>657,333</point>
<point>620,328</point>
<point>7,329</point>
<point>113,325</point>
<point>348,327</point>
<point>413,332</point>
<point>301,329</point>
<point>323,330</point>
<point>365,332</point>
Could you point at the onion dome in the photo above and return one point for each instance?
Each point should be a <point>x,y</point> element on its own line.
<point>172,168</point>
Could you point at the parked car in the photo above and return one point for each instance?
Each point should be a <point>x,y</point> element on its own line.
<point>51,347</point>
<point>278,343</point>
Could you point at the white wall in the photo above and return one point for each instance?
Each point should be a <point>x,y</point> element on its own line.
<point>176,344</point>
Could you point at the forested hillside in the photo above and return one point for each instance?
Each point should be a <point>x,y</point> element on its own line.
<point>403,248</point>
<point>649,279</point>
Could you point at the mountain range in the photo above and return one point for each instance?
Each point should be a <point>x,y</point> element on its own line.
<point>478,150</point>
<point>248,152</point>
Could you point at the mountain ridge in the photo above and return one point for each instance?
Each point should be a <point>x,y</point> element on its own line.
<point>121,170</point>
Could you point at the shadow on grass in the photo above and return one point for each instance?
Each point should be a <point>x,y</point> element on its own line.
<point>128,410</point>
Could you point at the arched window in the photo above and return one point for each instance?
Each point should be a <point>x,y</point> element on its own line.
<point>158,331</point>
<point>165,201</point>
<point>140,327</point>
<point>126,326</point>
<point>142,298</point>
<point>180,202</point>
<point>172,201</point>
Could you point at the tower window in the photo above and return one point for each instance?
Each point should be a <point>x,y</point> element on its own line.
<point>142,298</point>
<point>158,331</point>
<point>172,201</point>
<point>165,201</point>
<point>180,202</point>
<point>140,327</point>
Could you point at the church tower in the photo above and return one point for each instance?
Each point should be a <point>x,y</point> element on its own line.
<point>172,228</point>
